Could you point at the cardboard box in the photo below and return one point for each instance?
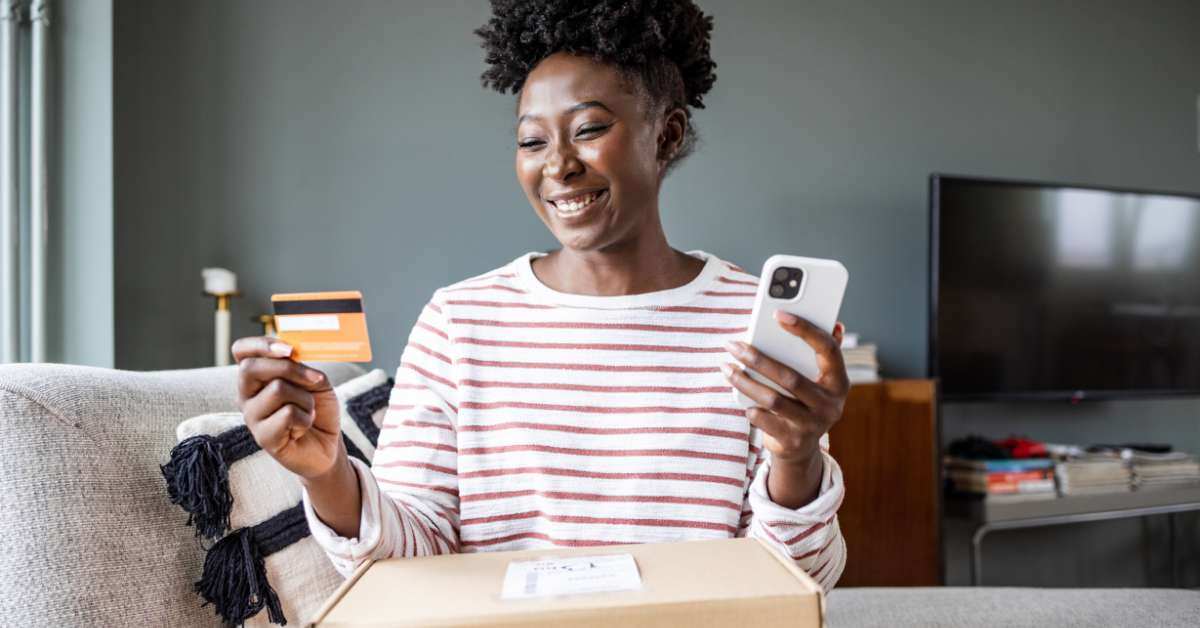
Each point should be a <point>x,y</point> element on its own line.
<point>728,582</point>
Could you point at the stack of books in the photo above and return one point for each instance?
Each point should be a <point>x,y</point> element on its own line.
<point>1002,481</point>
<point>862,364</point>
<point>1164,470</point>
<point>1094,473</point>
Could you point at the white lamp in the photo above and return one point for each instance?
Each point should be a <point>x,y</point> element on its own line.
<point>222,284</point>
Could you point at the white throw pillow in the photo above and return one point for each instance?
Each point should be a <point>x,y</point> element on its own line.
<point>268,561</point>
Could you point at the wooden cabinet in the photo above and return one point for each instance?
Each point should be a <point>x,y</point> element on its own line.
<point>886,444</point>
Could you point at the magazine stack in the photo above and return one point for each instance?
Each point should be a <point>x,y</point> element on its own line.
<point>862,364</point>
<point>1164,470</point>
<point>1094,473</point>
<point>1002,480</point>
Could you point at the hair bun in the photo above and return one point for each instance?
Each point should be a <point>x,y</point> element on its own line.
<point>631,34</point>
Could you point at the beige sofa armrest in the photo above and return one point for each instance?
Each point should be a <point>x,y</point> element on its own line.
<point>88,534</point>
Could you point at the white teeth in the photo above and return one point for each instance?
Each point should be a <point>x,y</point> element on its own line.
<point>576,204</point>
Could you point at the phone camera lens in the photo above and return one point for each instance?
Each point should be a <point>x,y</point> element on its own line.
<point>786,282</point>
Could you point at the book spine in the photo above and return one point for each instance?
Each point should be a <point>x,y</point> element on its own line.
<point>1010,477</point>
<point>1003,482</point>
<point>992,466</point>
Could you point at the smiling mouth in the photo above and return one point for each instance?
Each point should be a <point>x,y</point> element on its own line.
<point>576,205</point>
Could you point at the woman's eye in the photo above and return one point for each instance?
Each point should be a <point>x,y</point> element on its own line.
<point>529,143</point>
<point>591,129</point>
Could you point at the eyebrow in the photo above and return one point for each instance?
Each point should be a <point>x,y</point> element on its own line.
<point>578,107</point>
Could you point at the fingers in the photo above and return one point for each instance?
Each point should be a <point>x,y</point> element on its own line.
<point>796,438</point>
<point>804,389</point>
<point>280,428</point>
<point>827,348</point>
<point>260,346</point>
<point>278,413</point>
<point>260,359</point>
<point>274,396</point>
<point>761,394</point>
<point>257,372</point>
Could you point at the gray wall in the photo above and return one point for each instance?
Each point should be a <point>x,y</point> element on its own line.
<point>313,146</point>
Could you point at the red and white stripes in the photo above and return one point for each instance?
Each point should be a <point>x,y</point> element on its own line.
<point>523,418</point>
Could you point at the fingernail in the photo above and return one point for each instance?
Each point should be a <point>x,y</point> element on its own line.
<point>727,369</point>
<point>787,318</point>
<point>734,347</point>
<point>279,349</point>
<point>313,376</point>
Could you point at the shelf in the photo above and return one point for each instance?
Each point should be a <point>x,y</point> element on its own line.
<point>1074,506</point>
<point>1065,510</point>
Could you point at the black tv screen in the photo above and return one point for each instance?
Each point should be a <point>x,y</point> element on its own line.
<point>1059,291</point>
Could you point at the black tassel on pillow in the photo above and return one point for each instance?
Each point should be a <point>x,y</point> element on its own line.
<point>235,580</point>
<point>198,477</point>
<point>198,481</point>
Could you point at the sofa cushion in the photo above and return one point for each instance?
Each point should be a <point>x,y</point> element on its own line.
<point>88,535</point>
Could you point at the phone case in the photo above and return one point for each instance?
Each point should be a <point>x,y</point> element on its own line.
<point>819,299</point>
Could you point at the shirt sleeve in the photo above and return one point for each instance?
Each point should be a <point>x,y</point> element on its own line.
<point>808,535</point>
<point>410,501</point>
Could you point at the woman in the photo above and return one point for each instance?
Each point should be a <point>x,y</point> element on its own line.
<point>584,396</point>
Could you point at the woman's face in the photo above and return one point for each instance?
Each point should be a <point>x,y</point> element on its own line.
<point>588,153</point>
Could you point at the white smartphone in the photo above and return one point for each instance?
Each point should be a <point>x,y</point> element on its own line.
<point>808,287</point>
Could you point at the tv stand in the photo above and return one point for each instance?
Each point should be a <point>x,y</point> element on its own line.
<point>1071,509</point>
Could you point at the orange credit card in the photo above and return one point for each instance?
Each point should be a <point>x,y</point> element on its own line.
<point>323,326</point>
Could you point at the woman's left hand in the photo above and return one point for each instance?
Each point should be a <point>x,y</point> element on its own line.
<point>793,424</point>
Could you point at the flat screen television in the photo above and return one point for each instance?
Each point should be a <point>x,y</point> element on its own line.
<point>1052,291</point>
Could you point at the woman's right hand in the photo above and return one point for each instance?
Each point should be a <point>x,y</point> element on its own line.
<point>291,409</point>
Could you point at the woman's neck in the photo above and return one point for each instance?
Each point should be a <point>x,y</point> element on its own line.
<point>637,266</point>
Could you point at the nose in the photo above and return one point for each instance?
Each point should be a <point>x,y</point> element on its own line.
<point>562,162</point>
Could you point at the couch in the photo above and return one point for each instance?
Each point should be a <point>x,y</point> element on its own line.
<point>88,537</point>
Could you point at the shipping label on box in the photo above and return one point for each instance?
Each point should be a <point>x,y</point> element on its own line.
<point>570,576</point>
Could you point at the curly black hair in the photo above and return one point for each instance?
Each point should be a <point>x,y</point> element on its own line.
<point>664,44</point>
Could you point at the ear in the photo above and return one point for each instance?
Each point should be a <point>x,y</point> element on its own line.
<point>671,135</point>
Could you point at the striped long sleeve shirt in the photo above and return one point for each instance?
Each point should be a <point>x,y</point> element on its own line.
<point>524,418</point>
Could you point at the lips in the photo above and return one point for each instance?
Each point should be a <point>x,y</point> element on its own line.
<point>575,205</point>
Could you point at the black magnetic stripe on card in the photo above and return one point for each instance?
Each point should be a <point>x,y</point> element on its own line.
<point>319,306</point>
